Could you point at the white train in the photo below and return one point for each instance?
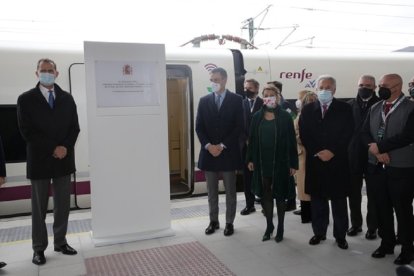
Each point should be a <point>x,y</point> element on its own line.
<point>187,81</point>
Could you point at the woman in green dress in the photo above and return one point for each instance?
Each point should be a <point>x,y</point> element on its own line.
<point>273,158</point>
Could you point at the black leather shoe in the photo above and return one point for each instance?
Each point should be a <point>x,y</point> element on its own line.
<point>247,211</point>
<point>316,239</point>
<point>353,231</point>
<point>381,252</point>
<point>66,249</point>
<point>342,243</point>
<point>405,270</point>
<point>212,227</point>
<point>2,264</point>
<point>39,258</point>
<point>404,259</point>
<point>371,235</point>
<point>229,230</point>
<point>297,212</point>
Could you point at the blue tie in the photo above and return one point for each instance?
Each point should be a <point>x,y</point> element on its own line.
<point>218,98</point>
<point>51,99</point>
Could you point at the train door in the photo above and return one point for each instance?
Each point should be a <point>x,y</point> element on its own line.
<point>180,129</point>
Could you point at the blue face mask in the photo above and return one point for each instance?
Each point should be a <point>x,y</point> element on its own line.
<point>46,79</point>
<point>325,96</point>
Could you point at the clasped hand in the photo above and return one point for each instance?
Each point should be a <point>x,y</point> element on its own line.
<point>60,152</point>
<point>381,157</point>
<point>215,150</point>
<point>325,155</point>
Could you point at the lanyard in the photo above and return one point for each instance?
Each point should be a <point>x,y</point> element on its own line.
<point>397,103</point>
<point>381,129</point>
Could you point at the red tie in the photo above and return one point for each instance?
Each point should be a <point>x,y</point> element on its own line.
<point>387,108</point>
<point>324,109</point>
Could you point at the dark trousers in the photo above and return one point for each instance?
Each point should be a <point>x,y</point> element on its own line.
<point>394,190</point>
<point>268,206</point>
<point>355,199</point>
<point>320,215</point>
<point>247,179</point>
<point>61,208</point>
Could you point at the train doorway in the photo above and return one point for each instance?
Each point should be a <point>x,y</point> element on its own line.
<point>180,129</point>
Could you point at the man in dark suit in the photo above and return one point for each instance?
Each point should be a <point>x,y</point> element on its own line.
<point>392,171</point>
<point>358,155</point>
<point>2,178</point>
<point>48,122</point>
<point>326,128</point>
<point>219,125</point>
<point>251,105</point>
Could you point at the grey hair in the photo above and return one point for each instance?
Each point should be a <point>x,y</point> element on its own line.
<point>326,77</point>
<point>369,77</point>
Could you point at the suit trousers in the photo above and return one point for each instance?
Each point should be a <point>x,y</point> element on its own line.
<point>320,215</point>
<point>247,178</point>
<point>394,190</point>
<point>229,180</point>
<point>355,199</point>
<point>61,208</point>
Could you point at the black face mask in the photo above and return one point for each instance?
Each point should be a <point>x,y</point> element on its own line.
<point>249,94</point>
<point>411,91</point>
<point>365,93</point>
<point>384,93</point>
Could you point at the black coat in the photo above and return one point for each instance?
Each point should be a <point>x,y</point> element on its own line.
<point>44,129</point>
<point>2,160</point>
<point>248,114</point>
<point>215,127</point>
<point>333,132</point>
<point>357,150</point>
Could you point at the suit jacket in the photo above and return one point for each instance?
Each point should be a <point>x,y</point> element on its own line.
<point>333,132</point>
<point>44,129</point>
<point>220,126</point>
<point>2,160</point>
<point>357,150</point>
<point>258,104</point>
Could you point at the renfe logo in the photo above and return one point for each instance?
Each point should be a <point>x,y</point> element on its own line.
<point>296,75</point>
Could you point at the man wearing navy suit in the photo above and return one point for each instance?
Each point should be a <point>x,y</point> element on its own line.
<point>219,125</point>
<point>251,105</point>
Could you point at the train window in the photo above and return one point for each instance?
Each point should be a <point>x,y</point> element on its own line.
<point>13,143</point>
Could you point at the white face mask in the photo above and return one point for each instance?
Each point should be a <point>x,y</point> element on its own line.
<point>325,96</point>
<point>215,87</point>
<point>270,102</point>
<point>46,79</point>
<point>298,104</point>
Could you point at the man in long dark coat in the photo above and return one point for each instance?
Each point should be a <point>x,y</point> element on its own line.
<point>219,125</point>
<point>326,128</point>
<point>48,122</point>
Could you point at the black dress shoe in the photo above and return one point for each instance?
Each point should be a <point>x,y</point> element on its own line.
<point>353,231</point>
<point>212,227</point>
<point>2,264</point>
<point>405,270</point>
<point>39,258</point>
<point>66,249</point>
<point>404,259</point>
<point>247,211</point>
<point>316,239</point>
<point>371,235</point>
<point>342,243</point>
<point>229,230</point>
<point>381,252</point>
<point>297,212</point>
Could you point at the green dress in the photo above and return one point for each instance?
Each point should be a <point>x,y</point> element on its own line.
<point>283,154</point>
<point>267,136</point>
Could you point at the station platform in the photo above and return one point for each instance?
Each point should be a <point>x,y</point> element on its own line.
<point>191,252</point>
